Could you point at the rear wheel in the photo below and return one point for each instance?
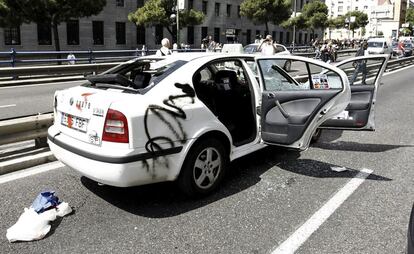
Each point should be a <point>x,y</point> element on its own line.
<point>203,168</point>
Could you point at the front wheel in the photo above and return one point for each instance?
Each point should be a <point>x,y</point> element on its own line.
<point>203,168</point>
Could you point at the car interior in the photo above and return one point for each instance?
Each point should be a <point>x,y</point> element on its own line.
<point>224,88</point>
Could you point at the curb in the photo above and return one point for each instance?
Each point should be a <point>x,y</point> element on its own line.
<point>26,162</point>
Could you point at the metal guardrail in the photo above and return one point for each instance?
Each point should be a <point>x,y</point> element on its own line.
<point>35,127</point>
<point>88,68</point>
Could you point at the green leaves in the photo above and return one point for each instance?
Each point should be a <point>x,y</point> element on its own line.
<point>264,11</point>
<point>361,19</point>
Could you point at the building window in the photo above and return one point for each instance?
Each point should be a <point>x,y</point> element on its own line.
<point>238,11</point>
<point>12,35</point>
<point>217,34</point>
<point>44,34</point>
<point>248,36</point>
<point>340,8</point>
<point>120,33</point>
<point>274,36</point>
<point>217,9</point>
<point>300,38</point>
<point>98,32</point>
<point>159,34</point>
<point>306,38</point>
<point>140,3</point>
<point>287,37</point>
<point>190,4</point>
<point>72,32</point>
<point>204,7</point>
<point>141,35</point>
<point>281,37</point>
<point>204,32</point>
<point>190,35</point>
<point>120,3</point>
<point>228,10</point>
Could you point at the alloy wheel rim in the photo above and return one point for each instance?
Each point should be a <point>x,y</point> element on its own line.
<point>207,168</point>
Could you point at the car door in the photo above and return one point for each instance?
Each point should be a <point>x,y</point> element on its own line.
<point>291,110</point>
<point>360,112</point>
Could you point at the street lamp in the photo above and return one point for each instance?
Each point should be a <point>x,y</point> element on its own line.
<point>175,16</point>
<point>294,26</point>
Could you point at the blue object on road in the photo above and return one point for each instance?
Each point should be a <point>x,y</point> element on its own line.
<point>44,201</point>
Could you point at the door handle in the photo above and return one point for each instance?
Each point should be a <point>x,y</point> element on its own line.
<point>282,110</point>
<point>270,96</point>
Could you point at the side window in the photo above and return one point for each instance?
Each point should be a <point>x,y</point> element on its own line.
<point>362,72</point>
<point>279,49</point>
<point>303,76</point>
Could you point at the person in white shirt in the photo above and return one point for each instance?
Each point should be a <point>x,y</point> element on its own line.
<point>267,47</point>
<point>165,48</point>
<point>71,58</point>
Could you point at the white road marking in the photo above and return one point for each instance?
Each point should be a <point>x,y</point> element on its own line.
<point>313,223</point>
<point>57,83</point>
<point>29,172</point>
<point>8,106</point>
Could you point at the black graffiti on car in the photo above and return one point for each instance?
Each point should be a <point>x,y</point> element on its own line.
<point>161,111</point>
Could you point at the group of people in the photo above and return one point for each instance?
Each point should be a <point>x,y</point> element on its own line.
<point>326,50</point>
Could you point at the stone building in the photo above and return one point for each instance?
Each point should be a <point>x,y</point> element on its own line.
<point>111,29</point>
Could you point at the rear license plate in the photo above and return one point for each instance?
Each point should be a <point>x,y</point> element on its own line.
<point>74,122</point>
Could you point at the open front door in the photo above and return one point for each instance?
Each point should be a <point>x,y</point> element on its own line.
<point>364,75</point>
<point>291,110</point>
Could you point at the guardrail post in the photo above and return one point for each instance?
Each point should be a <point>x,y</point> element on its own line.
<point>13,57</point>
<point>90,55</point>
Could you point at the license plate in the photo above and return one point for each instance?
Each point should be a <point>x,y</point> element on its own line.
<point>74,122</point>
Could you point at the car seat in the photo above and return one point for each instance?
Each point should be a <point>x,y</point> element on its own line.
<point>141,80</point>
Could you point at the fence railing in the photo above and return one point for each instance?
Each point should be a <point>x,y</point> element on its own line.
<point>35,127</point>
<point>14,58</point>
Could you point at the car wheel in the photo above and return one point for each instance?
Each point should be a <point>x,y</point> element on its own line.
<point>203,168</point>
<point>288,65</point>
<point>316,136</point>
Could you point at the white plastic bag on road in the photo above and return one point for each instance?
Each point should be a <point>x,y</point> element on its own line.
<point>33,226</point>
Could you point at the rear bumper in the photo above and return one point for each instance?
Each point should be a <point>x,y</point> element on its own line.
<point>121,170</point>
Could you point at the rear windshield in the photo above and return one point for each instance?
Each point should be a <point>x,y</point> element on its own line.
<point>375,44</point>
<point>250,49</point>
<point>139,75</point>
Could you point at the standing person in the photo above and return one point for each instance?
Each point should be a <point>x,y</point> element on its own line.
<point>211,44</point>
<point>401,49</point>
<point>267,47</point>
<point>165,48</point>
<point>361,65</point>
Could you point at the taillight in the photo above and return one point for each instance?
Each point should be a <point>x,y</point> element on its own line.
<point>116,127</point>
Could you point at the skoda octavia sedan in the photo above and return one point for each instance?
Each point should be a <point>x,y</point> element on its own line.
<point>184,117</point>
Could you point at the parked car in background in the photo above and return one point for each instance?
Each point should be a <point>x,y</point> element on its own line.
<point>183,117</point>
<point>378,46</point>
<point>280,50</point>
<point>394,48</point>
<point>408,48</point>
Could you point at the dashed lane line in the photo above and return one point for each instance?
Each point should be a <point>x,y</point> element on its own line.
<point>313,223</point>
<point>8,106</point>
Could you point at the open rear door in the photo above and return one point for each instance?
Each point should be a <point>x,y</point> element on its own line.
<point>364,75</point>
<point>291,110</point>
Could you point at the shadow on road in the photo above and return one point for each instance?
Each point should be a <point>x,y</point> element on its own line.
<point>320,169</point>
<point>165,200</point>
<point>358,147</point>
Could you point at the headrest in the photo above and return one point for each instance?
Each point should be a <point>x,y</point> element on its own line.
<point>225,76</point>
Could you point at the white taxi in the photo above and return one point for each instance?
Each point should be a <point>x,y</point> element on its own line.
<point>186,116</point>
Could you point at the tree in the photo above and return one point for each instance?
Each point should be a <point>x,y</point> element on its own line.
<point>338,22</point>
<point>266,11</point>
<point>53,12</point>
<point>158,12</point>
<point>361,20</point>
<point>316,15</point>
<point>409,17</point>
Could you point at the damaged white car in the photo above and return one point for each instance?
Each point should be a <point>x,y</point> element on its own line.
<point>186,116</point>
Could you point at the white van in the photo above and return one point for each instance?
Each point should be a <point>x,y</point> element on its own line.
<point>378,46</point>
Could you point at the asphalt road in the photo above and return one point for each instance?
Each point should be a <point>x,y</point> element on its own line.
<point>266,197</point>
<point>18,101</point>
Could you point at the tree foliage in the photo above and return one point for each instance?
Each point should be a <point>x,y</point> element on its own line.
<point>16,12</point>
<point>361,19</point>
<point>158,12</point>
<point>409,16</point>
<point>338,22</point>
<point>316,14</point>
<point>266,11</point>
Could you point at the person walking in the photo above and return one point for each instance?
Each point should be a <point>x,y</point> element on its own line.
<point>165,48</point>
<point>361,65</point>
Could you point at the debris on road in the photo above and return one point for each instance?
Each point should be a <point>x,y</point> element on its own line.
<point>339,169</point>
<point>33,224</point>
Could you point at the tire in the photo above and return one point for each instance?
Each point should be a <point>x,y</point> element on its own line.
<point>288,66</point>
<point>316,136</point>
<point>203,168</point>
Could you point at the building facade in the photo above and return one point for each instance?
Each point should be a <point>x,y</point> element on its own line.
<point>111,29</point>
<point>385,17</point>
